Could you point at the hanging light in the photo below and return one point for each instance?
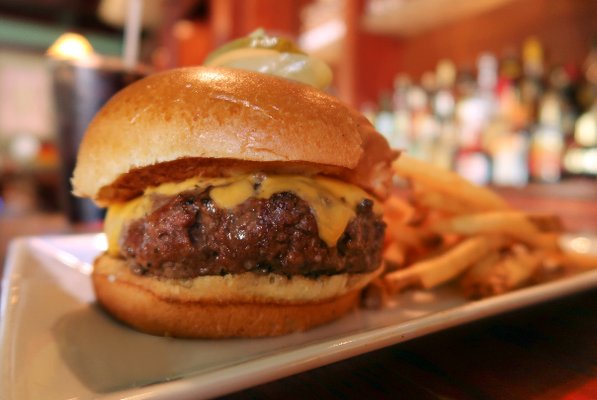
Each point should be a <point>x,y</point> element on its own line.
<point>70,46</point>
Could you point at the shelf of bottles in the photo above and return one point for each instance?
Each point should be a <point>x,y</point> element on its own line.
<point>513,122</point>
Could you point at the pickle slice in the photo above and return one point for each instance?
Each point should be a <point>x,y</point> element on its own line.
<point>258,39</point>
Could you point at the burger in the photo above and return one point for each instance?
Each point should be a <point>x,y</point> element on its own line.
<point>239,204</point>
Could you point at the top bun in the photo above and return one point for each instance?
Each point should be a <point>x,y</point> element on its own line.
<point>218,121</point>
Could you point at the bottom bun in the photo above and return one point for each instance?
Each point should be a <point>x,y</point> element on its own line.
<point>244,305</point>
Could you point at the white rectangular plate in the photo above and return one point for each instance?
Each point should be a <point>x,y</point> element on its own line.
<point>56,343</point>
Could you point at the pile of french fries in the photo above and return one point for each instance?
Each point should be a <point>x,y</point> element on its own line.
<point>446,229</point>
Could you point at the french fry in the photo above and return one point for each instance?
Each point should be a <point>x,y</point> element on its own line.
<point>514,224</point>
<point>435,271</point>
<point>395,254</point>
<point>437,201</point>
<point>478,269</point>
<point>549,241</point>
<point>415,238</point>
<point>375,295</point>
<point>546,222</point>
<point>448,183</point>
<point>510,272</point>
<point>559,264</point>
<point>398,210</point>
<point>450,227</point>
<point>508,222</point>
<point>576,261</point>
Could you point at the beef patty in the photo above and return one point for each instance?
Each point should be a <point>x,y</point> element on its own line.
<point>187,235</point>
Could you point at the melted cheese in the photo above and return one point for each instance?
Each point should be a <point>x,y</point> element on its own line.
<point>332,202</point>
<point>120,214</point>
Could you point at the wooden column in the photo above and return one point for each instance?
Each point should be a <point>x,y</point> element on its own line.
<point>222,21</point>
<point>347,69</point>
<point>231,19</point>
<point>280,17</point>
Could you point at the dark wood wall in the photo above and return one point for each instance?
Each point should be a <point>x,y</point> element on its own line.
<point>567,28</point>
<point>370,62</point>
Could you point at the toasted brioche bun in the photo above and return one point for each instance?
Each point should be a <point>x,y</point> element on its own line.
<point>217,121</point>
<point>245,305</point>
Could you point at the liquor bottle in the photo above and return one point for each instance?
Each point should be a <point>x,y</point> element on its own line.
<point>509,152</point>
<point>474,164</point>
<point>581,156</point>
<point>369,110</point>
<point>420,135</point>
<point>471,160</point>
<point>510,67</point>
<point>506,137</point>
<point>532,58</point>
<point>444,108</point>
<point>443,102</point>
<point>581,153</point>
<point>446,147</point>
<point>474,114</point>
<point>402,114</point>
<point>487,80</point>
<point>384,119</point>
<point>487,73</point>
<point>531,86</point>
<point>587,92</point>
<point>547,141</point>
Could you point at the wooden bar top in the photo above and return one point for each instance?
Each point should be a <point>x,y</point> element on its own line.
<point>544,352</point>
<point>574,201</point>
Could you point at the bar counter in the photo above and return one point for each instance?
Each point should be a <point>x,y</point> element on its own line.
<point>546,351</point>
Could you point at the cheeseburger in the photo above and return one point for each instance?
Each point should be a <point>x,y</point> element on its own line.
<point>239,203</point>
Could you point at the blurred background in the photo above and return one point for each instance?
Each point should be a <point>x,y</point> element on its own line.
<point>502,91</point>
